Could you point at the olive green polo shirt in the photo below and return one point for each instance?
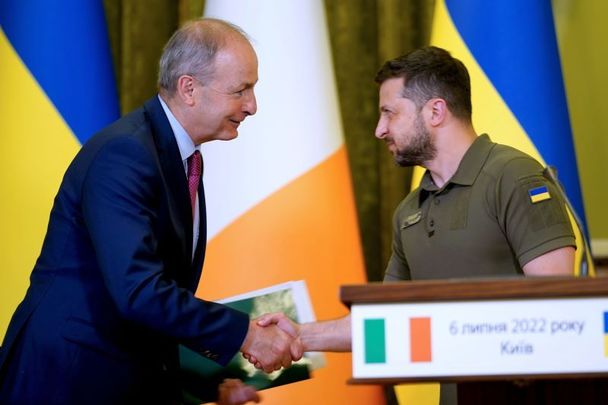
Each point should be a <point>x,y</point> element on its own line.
<point>492,217</point>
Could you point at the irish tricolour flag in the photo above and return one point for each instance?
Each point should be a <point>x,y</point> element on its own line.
<point>280,203</point>
<point>375,339</point>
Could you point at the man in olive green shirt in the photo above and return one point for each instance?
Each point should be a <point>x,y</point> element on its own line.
<point>482,209</point>
<point>484,221</point>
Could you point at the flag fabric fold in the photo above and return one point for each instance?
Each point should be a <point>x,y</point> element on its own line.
<point>519,56</point>
<point>59,89</point>
<point>518,97</point>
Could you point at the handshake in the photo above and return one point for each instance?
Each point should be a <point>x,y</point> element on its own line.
<point>273,341</point>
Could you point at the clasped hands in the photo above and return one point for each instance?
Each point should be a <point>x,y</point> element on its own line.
<point>272,342</point>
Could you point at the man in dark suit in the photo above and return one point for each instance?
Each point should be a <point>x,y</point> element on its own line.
<point>112,293</point>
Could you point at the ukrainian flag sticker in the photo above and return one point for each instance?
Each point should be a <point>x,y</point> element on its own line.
<point>606,334</point>
<point>539,194</point>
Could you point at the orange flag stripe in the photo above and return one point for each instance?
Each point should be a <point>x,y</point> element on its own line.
<point>420,339</point>
<point>312,223</point>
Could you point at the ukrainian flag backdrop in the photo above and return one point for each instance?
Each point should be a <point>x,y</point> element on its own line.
<point>513,46</point>
<point>510,49</point>
<point>58,88</point>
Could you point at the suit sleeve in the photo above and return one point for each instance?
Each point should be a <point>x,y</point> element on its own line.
<point>120,201</point>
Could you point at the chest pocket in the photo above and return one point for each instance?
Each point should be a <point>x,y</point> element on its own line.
<point>459,211</point>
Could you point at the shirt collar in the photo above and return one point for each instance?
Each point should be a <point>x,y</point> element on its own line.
<point>184,142</point>
<point>473,160</point>
<point>470,166</point>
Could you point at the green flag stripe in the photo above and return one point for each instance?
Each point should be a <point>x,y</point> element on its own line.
<point>375,343</point>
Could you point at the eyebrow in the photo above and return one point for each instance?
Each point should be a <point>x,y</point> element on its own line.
<point>243,86</point>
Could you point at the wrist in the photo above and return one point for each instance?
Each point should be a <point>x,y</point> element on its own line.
<point>248,340</point>
<point>306,334</point>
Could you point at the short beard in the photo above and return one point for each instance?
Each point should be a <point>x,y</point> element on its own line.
<point>419,150</point>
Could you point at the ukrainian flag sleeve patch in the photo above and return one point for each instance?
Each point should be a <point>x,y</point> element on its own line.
<point>539,194</point>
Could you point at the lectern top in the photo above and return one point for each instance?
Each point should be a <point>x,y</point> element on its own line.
<point>474,289</point>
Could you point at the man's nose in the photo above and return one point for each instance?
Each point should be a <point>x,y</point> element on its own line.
<point>381,129</point>
<point>250,106</point>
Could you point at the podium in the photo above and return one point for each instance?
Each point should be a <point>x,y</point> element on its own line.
<point>515,340</point>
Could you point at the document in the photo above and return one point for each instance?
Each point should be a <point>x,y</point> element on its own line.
<point>200,376</point>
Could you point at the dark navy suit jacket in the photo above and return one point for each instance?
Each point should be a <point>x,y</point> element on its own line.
<point>112,293</point>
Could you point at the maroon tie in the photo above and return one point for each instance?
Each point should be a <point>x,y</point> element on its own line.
<point>195,164</point>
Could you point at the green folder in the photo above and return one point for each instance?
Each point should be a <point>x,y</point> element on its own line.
<point>200,377</point>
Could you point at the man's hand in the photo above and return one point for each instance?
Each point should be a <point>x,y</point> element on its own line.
<point>325,336</point>
<point>283,322</point>
<point>271,347</point>
<point>235,392</point>
<point>286,325</point>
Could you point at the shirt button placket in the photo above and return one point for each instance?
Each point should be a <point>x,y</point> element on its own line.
<point>431,220</point>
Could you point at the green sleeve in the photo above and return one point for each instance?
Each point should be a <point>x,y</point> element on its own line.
<point>532,228</point>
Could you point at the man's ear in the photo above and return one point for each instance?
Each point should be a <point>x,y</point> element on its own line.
<point>185,89</point>
<point>438,111</point>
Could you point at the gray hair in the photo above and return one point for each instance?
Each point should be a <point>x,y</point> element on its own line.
<point>191,50</point>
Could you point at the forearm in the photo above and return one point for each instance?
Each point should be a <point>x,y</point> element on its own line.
<point>327,336</point>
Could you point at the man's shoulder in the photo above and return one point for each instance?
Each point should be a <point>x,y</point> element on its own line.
<point>507,160</point>
<point>412,196</point>
<point>131,126</point>
<point>129,135</point>
<point>410,204</point>
<point>501,153</point>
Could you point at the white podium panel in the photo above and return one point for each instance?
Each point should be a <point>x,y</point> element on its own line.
<point>480,338</point>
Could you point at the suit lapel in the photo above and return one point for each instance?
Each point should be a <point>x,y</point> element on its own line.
<point>173,173</point>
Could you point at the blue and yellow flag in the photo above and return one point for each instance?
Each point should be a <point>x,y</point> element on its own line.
<point>606,334</point>
<point>510,49</point>
<point>538,194</point>
<point>58,88</point>
<point>512,45</point>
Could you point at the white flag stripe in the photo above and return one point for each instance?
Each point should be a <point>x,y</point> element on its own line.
<point>298,121</point>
